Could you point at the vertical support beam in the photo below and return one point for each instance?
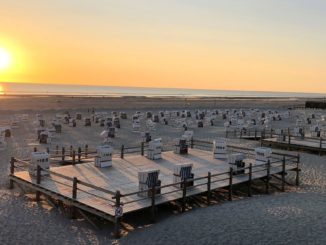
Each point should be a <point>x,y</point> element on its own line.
<point>57,150</point>
<point>38,181</point>
<point>268,170</point>
<point>117,218</point>
<point>209,177</point>
<point>255,134</point>
<point>122,151</point>
<point>142,148</point>
<point>241,134</point>
<point>153,191</point>
<point>74,188</point>
<point>297,180</point>
<point>283,174</point>
<point>320,145</point>
<point>230,184</point>
<point>289,140</point>
<point>191,143</point>
<point>184,195</point>
<point>250,180</point>
<point>271,135</point>
<point>12,172</point>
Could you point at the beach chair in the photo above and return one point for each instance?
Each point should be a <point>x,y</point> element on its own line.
<point>183,172</point>
<point>104,156</point>
<point>262,155</point>
<point>154,150</point>
<point>39,158</point>
<point>147,180</point>
<point>181,146</point>
<point>220,149</point>
<point>88,122</point>
<point>236,163</point>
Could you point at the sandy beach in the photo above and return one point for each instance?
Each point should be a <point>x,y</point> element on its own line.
<point>293,217</point>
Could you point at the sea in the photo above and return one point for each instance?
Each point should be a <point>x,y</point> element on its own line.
<point>85,90</point>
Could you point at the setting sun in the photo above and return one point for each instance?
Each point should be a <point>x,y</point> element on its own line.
<point>4,58</point>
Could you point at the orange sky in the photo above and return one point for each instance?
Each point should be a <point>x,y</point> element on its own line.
<point>270,46</point>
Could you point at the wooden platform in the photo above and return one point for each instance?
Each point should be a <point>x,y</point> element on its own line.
<point>123,176</point>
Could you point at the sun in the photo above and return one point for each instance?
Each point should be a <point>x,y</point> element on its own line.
<point>5,59</point>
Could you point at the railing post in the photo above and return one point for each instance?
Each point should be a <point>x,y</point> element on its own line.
<point>73,157</point>
<point>250,180</point>
<point>230,183</point>
<point>209,177</point>
<point>57,150</point>
<point>117,217</point>
<point>191,143</point>
<point>86,151</point>
<point>71,149</point>
<point>320,145</point>
<point>297,181</point>
<point>12,172</point>
<point>255,134</point>
<point>289,135</point>
<point>241,134</point>
<point>122,151</point>
<point>153,190</point>
<point>79,154</point>
<point>283,174</point>
<point>184,195</point>
<point>268,175</point>
<point>142,148</point>
<point>38,181</point>
<point>63,154</point>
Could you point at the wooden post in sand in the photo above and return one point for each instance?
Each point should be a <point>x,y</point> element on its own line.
<point>184,195</point>
<point>38,181</point>
<point>74,196</point>
<point>153,190</point>
<point>297,171</point>
<point>12,172</point>
<point>268,169</point>
<point>117,217</point>
<point>209,177</point>
<point>230,183</point>
<point>283,174</point>
<point>250,180</point>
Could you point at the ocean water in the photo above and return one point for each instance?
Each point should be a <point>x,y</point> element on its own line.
<point>82,90</point>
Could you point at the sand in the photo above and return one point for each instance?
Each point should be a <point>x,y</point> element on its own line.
<point>294,217</point>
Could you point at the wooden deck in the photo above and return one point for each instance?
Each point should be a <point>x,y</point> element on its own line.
<point>123,176</point>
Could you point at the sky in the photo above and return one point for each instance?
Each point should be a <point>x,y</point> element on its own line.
<point>262,45</point>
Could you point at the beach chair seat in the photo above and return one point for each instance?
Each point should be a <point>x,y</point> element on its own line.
<point>183,172</point>
<point>147,180</point>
